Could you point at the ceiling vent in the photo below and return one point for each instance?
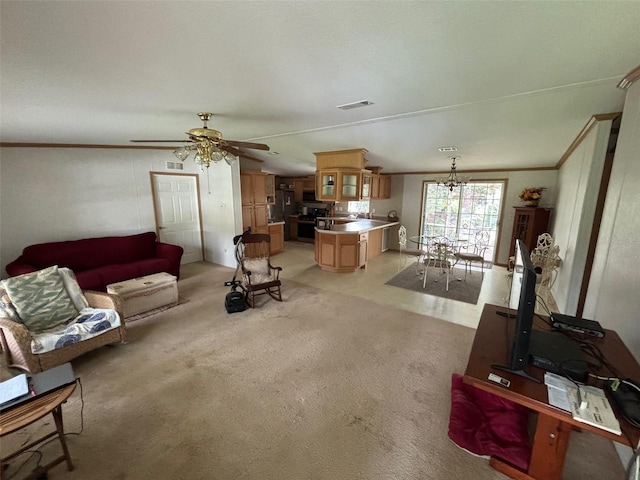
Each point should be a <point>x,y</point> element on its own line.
<point>349,106</point>
<point>448,149</point>
<point>175,166</point>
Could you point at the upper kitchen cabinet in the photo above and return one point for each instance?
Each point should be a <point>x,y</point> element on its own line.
<point>270,189</point>
<point>380,184</point>
<point>341,176</point>
<point>304,188</point>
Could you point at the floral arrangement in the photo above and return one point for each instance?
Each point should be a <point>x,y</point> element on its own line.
<point>531,194</point>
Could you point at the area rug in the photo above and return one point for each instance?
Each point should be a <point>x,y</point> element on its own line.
<point>466,291</point>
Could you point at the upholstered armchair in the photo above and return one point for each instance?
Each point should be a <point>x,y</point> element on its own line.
<point>16,338</point>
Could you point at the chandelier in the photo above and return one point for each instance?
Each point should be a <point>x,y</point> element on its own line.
<point>206,153</point>
<point>452,180</point>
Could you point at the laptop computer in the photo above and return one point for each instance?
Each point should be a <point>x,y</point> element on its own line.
<point>44,382</point>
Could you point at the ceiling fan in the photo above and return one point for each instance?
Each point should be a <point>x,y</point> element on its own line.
<point>209,145</point>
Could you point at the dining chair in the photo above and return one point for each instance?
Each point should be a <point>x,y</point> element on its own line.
<point>406,253</point>
<point>441,255</point>
<point>474,252</point>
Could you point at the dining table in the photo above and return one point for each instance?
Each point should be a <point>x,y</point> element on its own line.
<point>425,240</point>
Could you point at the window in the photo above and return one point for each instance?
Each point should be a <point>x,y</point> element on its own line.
<point>460,213</point>
<point>358,207</point>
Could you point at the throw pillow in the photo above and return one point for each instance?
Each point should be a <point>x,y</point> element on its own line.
<point>257,266</point>
<point>40,299</point>
<point>73,289</point>
<point>6,307</point>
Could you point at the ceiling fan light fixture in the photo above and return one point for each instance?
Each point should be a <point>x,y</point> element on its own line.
<point>182,153</point>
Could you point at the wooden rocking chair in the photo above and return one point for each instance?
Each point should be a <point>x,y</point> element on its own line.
<point>259,277</point>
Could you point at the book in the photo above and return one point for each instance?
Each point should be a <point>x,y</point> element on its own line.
<point>563,393</point>
<point>598,411</point>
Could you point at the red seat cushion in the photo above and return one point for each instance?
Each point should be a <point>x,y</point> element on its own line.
<point>486,424</point>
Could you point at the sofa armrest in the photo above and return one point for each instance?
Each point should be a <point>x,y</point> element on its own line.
<point>20,266</point>
<point>104,300</point>
<point>173,253</point>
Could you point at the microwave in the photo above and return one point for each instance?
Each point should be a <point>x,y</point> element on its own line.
<point>309,196</point>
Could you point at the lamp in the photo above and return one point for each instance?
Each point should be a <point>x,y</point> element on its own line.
<point>452,180</point>
<point>206,152</point>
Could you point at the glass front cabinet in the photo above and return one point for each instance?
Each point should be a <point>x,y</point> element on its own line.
<point>327,187</point>
<point>343,185</point>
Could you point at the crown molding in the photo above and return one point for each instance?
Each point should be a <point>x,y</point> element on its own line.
<point>630,78</point>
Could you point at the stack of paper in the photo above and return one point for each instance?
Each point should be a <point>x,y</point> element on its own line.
<point>563,393</point>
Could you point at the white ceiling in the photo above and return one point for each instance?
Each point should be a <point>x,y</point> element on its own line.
<point>510,84</point>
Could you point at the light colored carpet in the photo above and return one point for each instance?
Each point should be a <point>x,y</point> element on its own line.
<point>320,386</point>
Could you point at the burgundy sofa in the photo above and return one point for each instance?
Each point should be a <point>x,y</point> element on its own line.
<point>98,262</point>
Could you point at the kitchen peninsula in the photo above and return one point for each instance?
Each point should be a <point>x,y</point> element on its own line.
<point>347,244</point>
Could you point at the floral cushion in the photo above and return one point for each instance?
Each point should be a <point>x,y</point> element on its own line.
<point>91,322</point>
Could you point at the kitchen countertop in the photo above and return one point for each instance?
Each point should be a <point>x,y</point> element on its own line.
<point>276,222</point>
<point>355,225</point>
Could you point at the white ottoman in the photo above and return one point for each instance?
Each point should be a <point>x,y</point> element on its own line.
<point>143,294</point>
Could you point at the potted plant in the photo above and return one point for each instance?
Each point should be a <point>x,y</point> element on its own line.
<point>531,196</point>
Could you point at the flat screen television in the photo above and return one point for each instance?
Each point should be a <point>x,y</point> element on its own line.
<point>522,299</point>
<point>543,349</point>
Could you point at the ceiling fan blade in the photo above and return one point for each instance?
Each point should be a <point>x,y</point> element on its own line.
<point>160,141</point>
<point>239,153</point>
<point>254,146</point>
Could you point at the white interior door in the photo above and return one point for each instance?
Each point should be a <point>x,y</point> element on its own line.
<point>177,212</point>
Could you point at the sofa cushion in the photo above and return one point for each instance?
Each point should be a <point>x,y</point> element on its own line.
<point>90,280</point>
<point>488,425</point>
<point>40,299</point>
<point>90,253</point>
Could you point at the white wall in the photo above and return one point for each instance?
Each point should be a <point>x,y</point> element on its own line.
<point>579,179</point>
<point>515,183</point>
<point>613,296</point>
<point>53,194</point>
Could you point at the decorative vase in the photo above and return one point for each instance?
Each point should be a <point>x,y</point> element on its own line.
<point>532,203</point>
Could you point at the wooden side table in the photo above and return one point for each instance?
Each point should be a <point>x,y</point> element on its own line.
<point>25,414</point>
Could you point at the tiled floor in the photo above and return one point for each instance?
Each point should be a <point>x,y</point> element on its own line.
<point>298,264</point>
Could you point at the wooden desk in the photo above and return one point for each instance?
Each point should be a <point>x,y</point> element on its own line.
<point>491,346</point>
<point>25,414</point>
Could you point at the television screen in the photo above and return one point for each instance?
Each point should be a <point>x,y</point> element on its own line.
<point>522,299</point>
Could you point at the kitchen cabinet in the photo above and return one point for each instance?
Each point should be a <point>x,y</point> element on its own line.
<point>327,185</point>
<point>301,185</point>
<point>254,201</point>
<point>385,187</point>
<point>528,223</point>
<point>380,184</point>
<point>341,176</point>
<point>270,189</point>
<point>276,232</point>
<point>343,185</point>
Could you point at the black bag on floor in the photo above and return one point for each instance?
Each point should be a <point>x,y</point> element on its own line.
<point>235,302</point>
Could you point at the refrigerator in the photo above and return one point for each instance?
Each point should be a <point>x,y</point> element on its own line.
<point>284,207</point>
